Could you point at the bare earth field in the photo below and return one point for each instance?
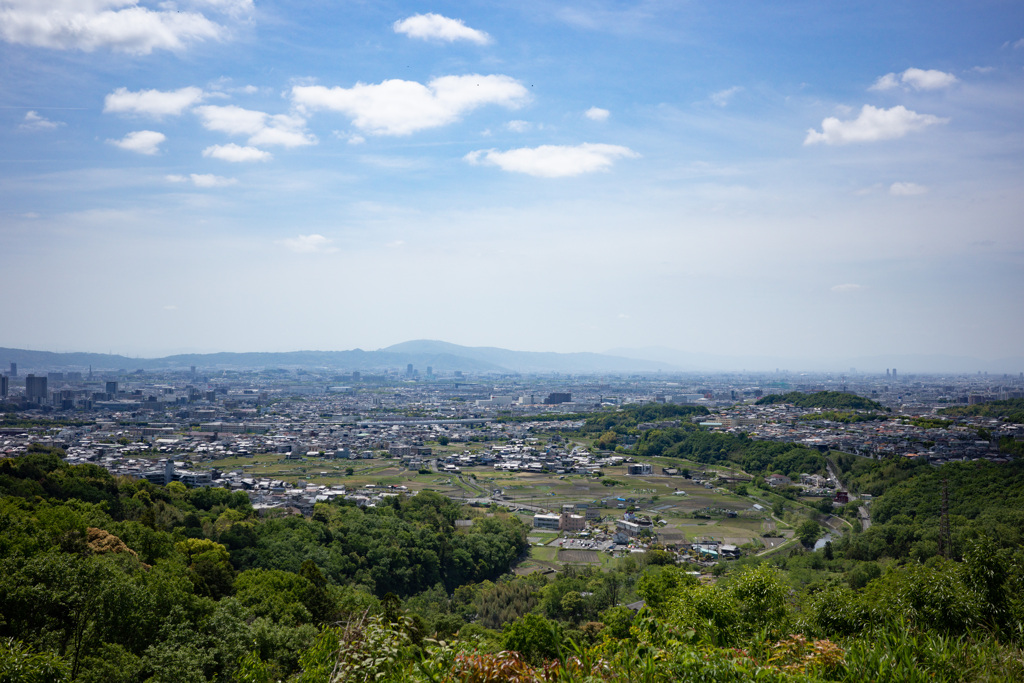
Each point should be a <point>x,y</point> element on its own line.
<point>578,556</point>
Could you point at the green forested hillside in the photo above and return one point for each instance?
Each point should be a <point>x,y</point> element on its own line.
<point>756,457</point>
<point>105,579</point>
<point>1010,410</point>
<point>832,400</point>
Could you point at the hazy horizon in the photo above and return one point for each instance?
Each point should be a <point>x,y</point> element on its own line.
<point>803,180</point>
<point>447,357</point>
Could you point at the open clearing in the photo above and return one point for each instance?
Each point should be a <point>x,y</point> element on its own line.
<point>579,556</point>
<point>684,510</point>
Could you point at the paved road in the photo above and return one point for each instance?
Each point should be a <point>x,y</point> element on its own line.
<point>865,518</point>
<point>862,512</point>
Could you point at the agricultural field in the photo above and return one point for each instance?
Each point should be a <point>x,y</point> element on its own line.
<point>684,511</point>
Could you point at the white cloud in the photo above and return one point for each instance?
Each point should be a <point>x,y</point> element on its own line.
<point>722,97</point>
<point>236,154</point>
<point>886,82</point>
<point>397,107</point>
<point>518,126</point>
<point>918,79</point>
<point>928,79</point>
<point>309,244</point>
<point>597,114</point>
<point>202,180</point>
<point>141,141</point>
<point>231,119</point>
<point>907,189</point>
<point>33,121</point>
<point>119,25</point>
<point>553,161</point>
<point>436,27</point>
<point>262,128</point>
<point>1019,44</point>
<point>849,287</point>
<point>155,103</point>
<point>871,125</point>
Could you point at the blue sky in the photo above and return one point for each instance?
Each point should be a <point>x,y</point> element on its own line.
<point>801,179</point>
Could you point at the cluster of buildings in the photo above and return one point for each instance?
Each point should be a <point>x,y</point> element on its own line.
<point>135,422</point>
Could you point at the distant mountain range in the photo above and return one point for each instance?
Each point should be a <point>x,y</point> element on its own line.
<point>446,357</point>
<point>441,356</point>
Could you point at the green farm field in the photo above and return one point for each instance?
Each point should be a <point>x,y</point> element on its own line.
<point>673,499</point>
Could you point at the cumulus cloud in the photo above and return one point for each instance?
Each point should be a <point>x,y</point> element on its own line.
<point>849,287</point>
<point>553,161</point>
<point>722,97</point>
<point>308,244</point>
<point>871,125</point>
<point>203,180</point>
<point>397,107</point>
<point>262,128</point>
<point>119,25</point>
<point>436,27</point>
<point>33,121</point>
<point>141,141</point>
<point>155,103</point>
<point>918,79</point>
<point>886,82</point>
<point>236,154</point>
<point>907,189</point>
<point>597,114</point>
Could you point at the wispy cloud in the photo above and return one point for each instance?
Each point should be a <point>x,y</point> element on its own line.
<point>723,97</point>
<point>873,124</point>
<point>849,287</point>
<point>155,103</point>
<point>918,79</point>
<point>141,141</point>
<point>553,161</point>
<point>33,121</point>
<point>308,244</point>
<point>398,107</point>
<point>203,180</point>
<point>437,27</point>
<point>907,189</point>
<point>597,114</point>
<point>236,154</point>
